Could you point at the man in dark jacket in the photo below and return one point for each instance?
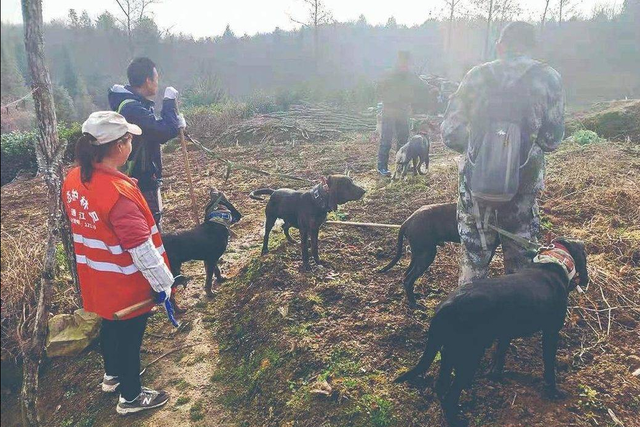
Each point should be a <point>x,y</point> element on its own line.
<point>135,102</point>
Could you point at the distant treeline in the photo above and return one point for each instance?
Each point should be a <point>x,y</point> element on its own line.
<point>598,57</point>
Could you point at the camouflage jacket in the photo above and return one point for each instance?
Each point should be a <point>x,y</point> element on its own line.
<point>542,129</point>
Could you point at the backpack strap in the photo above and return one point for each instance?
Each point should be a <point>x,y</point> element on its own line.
<point>127,168</point>
<point>123,103</point>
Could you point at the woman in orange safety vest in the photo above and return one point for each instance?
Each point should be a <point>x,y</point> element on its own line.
<point>119,253</point>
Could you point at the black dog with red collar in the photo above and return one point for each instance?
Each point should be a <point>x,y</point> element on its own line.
<point>499,308</point>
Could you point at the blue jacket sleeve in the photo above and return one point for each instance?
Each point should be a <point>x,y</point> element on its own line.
<point>153,129</point>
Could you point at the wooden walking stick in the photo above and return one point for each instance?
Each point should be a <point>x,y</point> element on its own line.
<point>187,167</point>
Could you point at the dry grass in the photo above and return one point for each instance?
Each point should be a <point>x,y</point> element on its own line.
<point>21,266</point>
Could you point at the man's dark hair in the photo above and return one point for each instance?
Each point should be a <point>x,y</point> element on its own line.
<point>139,70</point>
<point>519,37</point>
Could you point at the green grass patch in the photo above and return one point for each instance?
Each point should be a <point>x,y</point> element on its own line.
<point>182,400</point>
<point>196,411</point>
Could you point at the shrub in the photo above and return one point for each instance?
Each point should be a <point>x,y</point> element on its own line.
<point>209,121</point>
<point>18,150</point>
<point>584,137</point>
<point>204,91</point>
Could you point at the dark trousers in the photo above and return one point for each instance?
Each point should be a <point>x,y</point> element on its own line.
<point>120,342</point>
<point>154,201</point>
<point>390,126</point>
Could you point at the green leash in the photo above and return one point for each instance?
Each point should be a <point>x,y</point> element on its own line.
<point>532,248</point>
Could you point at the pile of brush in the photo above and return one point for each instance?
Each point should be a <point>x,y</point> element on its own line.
<point>300,123</point>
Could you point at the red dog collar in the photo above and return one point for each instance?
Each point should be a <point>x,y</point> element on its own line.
<point>557,253</point>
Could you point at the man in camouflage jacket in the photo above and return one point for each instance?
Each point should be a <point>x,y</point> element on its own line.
<point>542,132</point>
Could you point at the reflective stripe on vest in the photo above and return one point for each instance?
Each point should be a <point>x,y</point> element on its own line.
<point>111,267</point>
<point>99,244</point>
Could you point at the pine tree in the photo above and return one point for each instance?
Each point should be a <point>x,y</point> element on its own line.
<point>65,110</point>
<point>69,73</point>
<point>228,33</point>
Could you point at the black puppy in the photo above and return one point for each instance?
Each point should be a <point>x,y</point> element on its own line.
<point>205,242</point>
<point>415,151</point>
<point>306,210</point>
<point>426,229</point>
<point>516,305</point>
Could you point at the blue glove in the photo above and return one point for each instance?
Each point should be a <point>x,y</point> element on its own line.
<point>162,298</point>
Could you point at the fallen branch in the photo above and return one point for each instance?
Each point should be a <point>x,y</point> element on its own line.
<point>233,165</point>
<point>168,353</point>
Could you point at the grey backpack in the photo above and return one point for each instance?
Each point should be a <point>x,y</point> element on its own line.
<point>496,148</point>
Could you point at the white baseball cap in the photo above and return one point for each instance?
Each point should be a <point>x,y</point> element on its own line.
<point>107,126</point>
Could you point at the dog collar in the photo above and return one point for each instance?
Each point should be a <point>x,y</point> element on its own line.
<point>320,194</point>
<point>558,254</point>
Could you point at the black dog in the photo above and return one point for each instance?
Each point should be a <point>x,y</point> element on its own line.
<point>426,229</point>
<point>415,151</point>
<point>306,210</point>
<point>502,308</point>
<point>205,242</point>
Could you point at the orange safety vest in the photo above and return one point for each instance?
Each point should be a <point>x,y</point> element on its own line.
<point>109,280</point>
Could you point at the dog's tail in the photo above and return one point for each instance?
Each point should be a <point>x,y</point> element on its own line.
<point>399,251</point>
<point>261,192</point>
<point>434,344</point>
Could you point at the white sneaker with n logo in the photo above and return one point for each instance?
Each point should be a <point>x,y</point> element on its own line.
<point>147,399</point>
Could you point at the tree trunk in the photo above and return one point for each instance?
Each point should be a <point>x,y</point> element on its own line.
<point>67,243</point>
<point>49,154</point>
<point>450,29</point>
<point>560,13</point>
<point>315,35</point>
<point>488,35</point>
<point>544,15</point>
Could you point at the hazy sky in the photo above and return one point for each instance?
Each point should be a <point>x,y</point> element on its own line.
<point>209,18</point>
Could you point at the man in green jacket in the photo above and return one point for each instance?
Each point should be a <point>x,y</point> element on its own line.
<point>396,90</point>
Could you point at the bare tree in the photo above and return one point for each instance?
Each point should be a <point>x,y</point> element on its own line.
<point>566,6</point>
<point>544,14</point>
<point>451,7</point>
<point>505,12</point>
<point>134,11</point>
<point>49,154</point>
<point>489,6</point>
<point>318,15</point>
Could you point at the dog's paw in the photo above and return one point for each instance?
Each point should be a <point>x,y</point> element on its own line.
<point>554,393</point>
<point>305,268</point>
<point>454,417</point>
